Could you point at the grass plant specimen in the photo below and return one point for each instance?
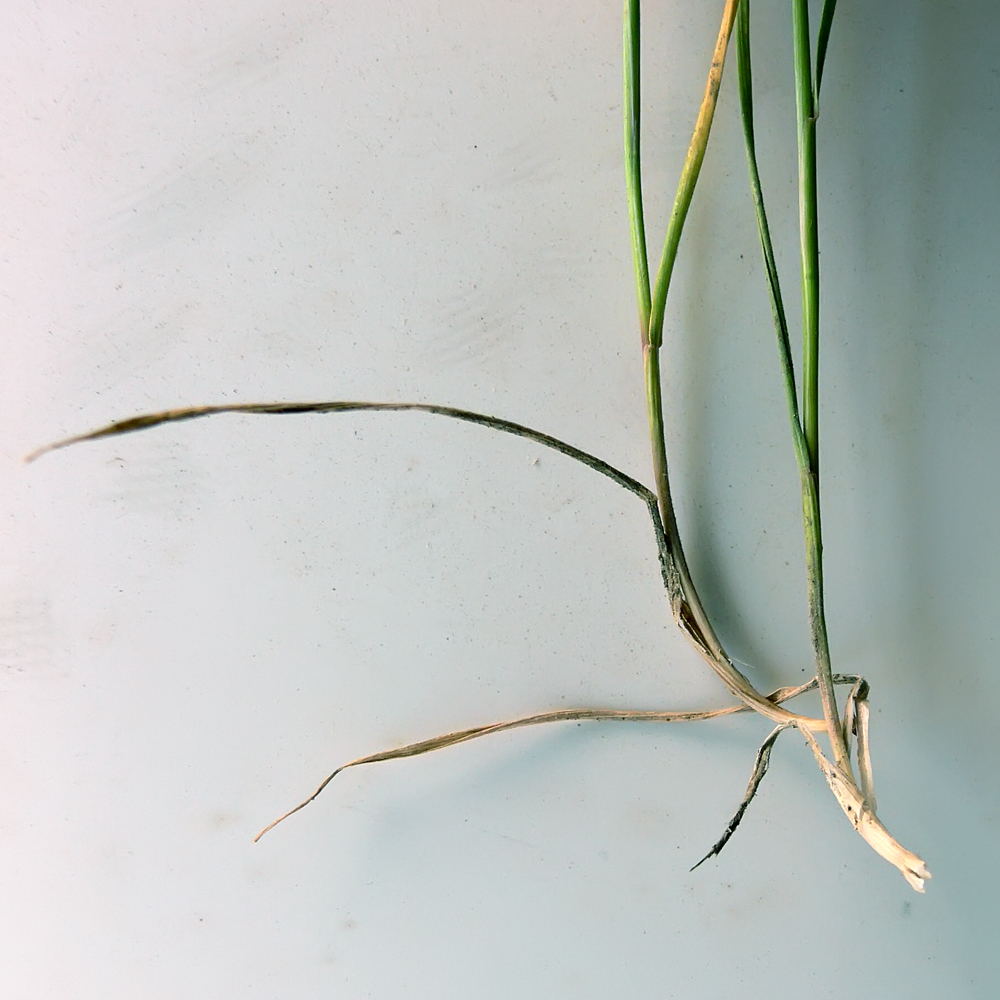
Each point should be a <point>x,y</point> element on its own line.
<point>846,731</point>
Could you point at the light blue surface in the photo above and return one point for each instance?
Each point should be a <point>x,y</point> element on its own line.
<point>223,202</point>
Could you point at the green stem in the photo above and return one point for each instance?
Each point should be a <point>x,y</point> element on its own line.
<point>808,229</point>
<point>809,482</point>
<point>633,165</point>
<point>770,265</point>
<point>809,248</point>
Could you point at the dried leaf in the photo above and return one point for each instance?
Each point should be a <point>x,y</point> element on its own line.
<point>760,766</point>
<point>560,715</point>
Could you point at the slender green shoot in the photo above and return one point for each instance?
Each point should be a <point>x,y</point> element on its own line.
<point>808,228</point>
<point>743,63</point>
<point>633,163</point>
<point>806,456</point>
<point>809,252</point>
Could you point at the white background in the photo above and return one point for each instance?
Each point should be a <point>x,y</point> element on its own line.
<point>217,202</point>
